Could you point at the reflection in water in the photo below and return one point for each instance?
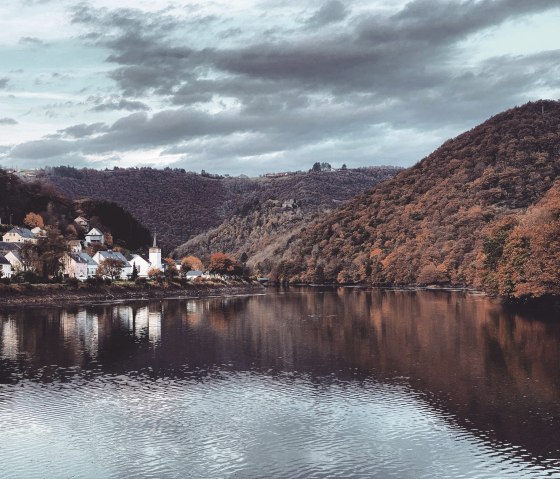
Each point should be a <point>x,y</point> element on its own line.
<point>308,383</point>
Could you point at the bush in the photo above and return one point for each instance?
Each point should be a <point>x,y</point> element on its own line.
<point>140,281</point>
<point>74,282</point>
<point>26,277</point>
<point>94,281</point>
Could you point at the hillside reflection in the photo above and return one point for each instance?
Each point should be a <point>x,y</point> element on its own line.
<point>495,370</point>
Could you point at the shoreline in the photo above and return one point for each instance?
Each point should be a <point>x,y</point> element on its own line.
<point>64,295</point>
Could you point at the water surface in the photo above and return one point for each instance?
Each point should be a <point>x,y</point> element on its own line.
<point>300,383</point>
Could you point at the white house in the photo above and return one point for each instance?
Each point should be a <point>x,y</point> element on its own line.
<point>15,260</point>
<point>79,265</point>
<point>5,267</point>
<point>101,256</point>
<point>19,235</point>
<point>142,264</point>
<point>95,236</point>
<point>75,246</point>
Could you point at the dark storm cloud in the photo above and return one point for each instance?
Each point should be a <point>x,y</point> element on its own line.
<point>344,79</point>
<point>373,53</point>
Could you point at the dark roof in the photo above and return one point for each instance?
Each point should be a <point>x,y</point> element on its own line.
<point>9,246</point>
<point>95,234</point>
<point>4,260</point>
<point>83,258</point>
<point>194,273</point>
<point>114,255</point>
<point>23,232</point>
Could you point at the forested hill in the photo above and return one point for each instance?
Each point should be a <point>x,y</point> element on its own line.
<point>460,216</point>
<point>179,204</point>
<point>17,198</point>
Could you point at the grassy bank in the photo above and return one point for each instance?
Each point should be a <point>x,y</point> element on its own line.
<point>51,294</point>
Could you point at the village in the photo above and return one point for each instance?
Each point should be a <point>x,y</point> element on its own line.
<point>92,257</point>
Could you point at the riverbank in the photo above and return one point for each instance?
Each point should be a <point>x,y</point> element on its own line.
<point>65,294</point>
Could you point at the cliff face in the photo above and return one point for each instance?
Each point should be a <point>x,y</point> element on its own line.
<point>434,223</point>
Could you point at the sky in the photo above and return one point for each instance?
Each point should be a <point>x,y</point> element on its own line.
<point>256,86</point>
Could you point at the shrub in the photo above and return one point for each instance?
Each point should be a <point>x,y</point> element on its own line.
<point>73,282</point>
<point>94,281</point>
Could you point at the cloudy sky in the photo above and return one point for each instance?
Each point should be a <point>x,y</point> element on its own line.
<point>254,86</point>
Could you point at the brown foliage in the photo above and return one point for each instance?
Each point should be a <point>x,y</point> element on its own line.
<point>429,223</point>
<point>221,263</point>
<point>33,220</point>
<point>191,263</point>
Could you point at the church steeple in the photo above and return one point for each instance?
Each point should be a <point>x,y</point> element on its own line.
<point>155,254</point>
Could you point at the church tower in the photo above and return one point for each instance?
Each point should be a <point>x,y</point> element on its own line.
<point>155,255</point>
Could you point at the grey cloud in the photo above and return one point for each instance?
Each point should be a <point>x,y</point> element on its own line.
<point>121,104</point>
<point>4,82</point>
<point>331,12</point>
<point>82,130</point>
<point>8,121</point>
<point>296,92</point>
<point>40,149</point>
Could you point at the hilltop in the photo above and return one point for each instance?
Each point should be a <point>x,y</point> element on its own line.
<point>452,219</point>
<point>179,205</point>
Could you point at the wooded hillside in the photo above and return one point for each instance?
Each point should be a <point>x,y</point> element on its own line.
<point>435,222</point>
<point>179,205</point>
<point>17,198</point>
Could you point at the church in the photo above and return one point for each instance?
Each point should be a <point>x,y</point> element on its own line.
<point>143,264</point>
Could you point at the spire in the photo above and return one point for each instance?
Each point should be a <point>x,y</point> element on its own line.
<point>155,244</point>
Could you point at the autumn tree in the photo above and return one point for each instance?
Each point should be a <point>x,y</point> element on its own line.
<point>50,249</point>
<point>221,263</point>
<point>110,268</point>
<point>155,274</point>
<point>33,220</point>
<point>190,263</point>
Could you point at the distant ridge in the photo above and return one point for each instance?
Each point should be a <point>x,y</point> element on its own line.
<point>180,205</point>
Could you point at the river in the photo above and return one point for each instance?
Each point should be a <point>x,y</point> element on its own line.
<point>296,383</point>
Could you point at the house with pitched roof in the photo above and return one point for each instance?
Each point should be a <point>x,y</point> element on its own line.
<point>95,236</point>
<point>79,265</point>
<point>75,246</point>
<point>14,259</point>
<point>141,263</point>
<point>20,235</point>
<point>101,256</point>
